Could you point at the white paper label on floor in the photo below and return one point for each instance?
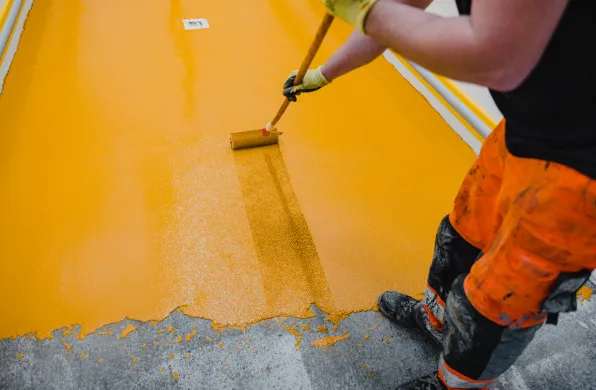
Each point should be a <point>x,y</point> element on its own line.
<point>195,24</point>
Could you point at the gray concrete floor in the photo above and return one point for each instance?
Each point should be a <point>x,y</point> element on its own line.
<point>376,355</point>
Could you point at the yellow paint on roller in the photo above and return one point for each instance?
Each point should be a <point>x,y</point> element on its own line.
<point>252,138</point>
<point>328,341</point>
<point>120,196</point>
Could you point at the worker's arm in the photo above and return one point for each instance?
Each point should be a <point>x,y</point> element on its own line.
<point>498,45</point>
<point>357,51</point>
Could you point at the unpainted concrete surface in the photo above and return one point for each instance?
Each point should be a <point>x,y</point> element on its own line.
<point>377,355</point>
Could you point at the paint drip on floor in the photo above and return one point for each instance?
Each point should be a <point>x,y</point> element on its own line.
<point>329,341</point>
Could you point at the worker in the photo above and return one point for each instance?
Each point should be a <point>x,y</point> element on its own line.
<point>521,238</point>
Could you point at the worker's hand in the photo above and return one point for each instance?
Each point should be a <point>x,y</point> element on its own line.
<point>313,80</point>
<point>351,11</point>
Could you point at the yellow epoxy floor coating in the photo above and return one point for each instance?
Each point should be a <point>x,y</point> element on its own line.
<point>120,196</point>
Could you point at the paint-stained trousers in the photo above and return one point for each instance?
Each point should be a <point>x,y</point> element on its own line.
<point>518,245</point>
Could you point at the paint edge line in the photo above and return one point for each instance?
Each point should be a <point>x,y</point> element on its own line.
<point>431,96</point>
<point>12,43</point>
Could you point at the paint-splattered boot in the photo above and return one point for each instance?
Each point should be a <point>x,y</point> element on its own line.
<point>408,312</point>
<point>428,382</point>
<point>398,308</point>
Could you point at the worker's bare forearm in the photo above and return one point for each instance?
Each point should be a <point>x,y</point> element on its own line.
<point>359,49</point>
<point>497,46</point>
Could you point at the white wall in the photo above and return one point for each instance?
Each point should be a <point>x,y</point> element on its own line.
<point>478,94</point>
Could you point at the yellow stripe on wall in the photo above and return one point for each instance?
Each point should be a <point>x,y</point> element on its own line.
<point>4,8</point>
<point>471,104</point>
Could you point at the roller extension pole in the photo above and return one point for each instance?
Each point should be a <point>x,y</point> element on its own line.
<point>269,134</point>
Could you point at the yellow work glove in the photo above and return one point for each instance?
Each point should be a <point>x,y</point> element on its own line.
<point>313,80</point>
<point>351,11</point>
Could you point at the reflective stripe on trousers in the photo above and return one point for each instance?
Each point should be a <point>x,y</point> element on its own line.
<point>455,380</point>
<point>435,308</point>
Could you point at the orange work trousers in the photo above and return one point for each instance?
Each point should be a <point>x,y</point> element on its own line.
<point>519,243</point>
<point>533,220</point>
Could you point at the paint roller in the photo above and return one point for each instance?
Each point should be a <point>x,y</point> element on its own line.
<point>269,135</point>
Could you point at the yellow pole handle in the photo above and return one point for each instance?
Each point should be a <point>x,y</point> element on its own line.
<point>312,52</point>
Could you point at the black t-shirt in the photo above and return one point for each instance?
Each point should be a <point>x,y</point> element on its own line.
<point>551,115</point>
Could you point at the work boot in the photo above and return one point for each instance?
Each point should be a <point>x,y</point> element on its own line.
<point>408,312</point>
<point>428,382</point>
<point>398,308</point>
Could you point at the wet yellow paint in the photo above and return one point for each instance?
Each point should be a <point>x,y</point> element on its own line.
<point>127,330</point>
<point>120,196</point>
<point>585,293</point>
<point>328,341</point>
